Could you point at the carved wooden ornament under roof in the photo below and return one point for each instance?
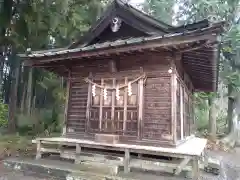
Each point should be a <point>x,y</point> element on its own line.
<point>116,24</point>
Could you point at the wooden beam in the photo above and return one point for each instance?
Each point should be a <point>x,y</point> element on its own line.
<point>113,104</point>
<point>181,111</point>
<point>195,171</point>
<point>101,106</point>
<point>196,46</point>
<point>140,109</point>
<point>174,105</point>
<point>39,153</point>
<point>78,152</point>
<point>78,149</point>
<point>183,163</point>
<point>127,161</point>
<point>89,101</point>
<point>125,107</point>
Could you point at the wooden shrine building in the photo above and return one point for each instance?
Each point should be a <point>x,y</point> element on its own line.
<point>131,78</point>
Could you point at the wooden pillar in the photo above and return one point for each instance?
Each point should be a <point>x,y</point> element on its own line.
<point>181,112</point>
<point>78,152</point>
<point>195,168</point>
<point>125,107</point>
<point>140,111</point>
<point>101,106</point>
<point>39,154</point>
<point>67,103</point>
<point>89,100</point>
<point>174,105</point>
<point>126,161</point>
<point>113,105</point>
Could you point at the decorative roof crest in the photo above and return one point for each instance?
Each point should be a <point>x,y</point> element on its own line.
<point>116,24</point>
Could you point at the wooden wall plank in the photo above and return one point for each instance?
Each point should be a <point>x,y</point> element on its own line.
<point>156,119</point>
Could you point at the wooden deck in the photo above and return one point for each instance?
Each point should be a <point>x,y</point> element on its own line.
<point>190,151</point>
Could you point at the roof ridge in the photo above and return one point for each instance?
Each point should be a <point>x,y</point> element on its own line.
<point>134,17</point>
<point>144,13</point>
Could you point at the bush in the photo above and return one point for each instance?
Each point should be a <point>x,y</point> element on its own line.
<point>3,115</point>
<point>41,121</point>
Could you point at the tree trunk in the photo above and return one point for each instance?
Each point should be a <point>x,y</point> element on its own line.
<point>212,118</point>
<point>23,97</point>
<point>29,91</point>
<point>13,100</point>
<point>2,62</point>
<point>230,108</point>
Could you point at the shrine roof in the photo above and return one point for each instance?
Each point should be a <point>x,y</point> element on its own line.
<point>214,28</point>
<point>133,23</point>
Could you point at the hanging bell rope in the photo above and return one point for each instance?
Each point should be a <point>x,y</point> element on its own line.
<point>113,88</point>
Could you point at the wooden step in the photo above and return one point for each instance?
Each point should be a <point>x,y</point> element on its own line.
<point>106,138</point>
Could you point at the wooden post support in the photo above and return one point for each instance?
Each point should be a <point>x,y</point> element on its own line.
<point>89,100</point>
<point>127,161</point>
<point>174,106</point>
<point>113,106</point>
<point>78,152</point>
<point>183,163</point>
<point>39,154</point>
<point>181,111</point>
<point>195,168</point>
<point>140,112</point>
<point>78,149</point>
<point>101,106</point>
<point>125,107</point>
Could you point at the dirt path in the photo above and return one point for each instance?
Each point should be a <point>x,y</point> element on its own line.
<point>12,175</point>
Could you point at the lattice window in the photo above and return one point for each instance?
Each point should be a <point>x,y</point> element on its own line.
<point>115,110</point>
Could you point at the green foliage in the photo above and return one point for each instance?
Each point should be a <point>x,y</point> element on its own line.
<point>201,117</point>
<point>160,9</point>
<point>228,10</point>
<point>41,121</point>
<point>3,115</point>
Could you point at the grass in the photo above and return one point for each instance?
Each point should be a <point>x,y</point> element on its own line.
<point>15,145</point>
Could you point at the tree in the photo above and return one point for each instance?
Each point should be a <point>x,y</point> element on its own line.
<point>37,25</point>
<point>194,10</point>
<point>160,9</point>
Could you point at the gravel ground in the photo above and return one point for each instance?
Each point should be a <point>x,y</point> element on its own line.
<point>231,167</point>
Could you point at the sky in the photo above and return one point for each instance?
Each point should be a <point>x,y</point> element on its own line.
<point>136,1</point>
<point>175,7</point>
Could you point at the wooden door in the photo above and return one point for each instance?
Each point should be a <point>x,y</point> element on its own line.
<point>115,114</point>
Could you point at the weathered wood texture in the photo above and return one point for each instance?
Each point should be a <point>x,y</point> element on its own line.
<point>157,109</point>
<point>156,122</point>
<point>77,106</point>
<point>184,103</point>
